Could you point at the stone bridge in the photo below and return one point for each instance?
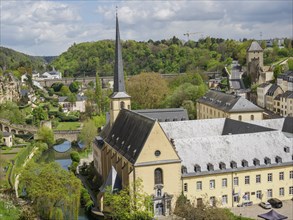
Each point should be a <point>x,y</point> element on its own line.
<point>6,126</point>
<point>67,81</point>
<point>85,80</point>
<point>70,135</point>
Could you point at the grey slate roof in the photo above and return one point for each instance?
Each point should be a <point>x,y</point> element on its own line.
<point>227,148</point>
<point>254,47</point>
<point>113,180</point>
<point>206,141</point>
<point>129,133</point>
<point>287,76</point>
<point>239,127</point>
<point>272,90</point>
<point>287,94</point>
<point>119,86</point>
<point>227,102</point>
<point>64,98</point>
<point>263,85</point>
<point>288,125</point>
<point>167,114</point>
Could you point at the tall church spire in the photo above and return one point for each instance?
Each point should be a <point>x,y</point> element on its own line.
<point>119,85</point>
<point>119,98</point>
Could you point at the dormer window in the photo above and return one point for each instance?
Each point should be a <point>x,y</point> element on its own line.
<point>183,169</point>
<point>244,163</point>
<point>233,164</point>
<point>197,168</point>
<point>222,166</point>
<point>256,162</point>
<point>287,149</point>
<point>278,159</point>
<point>210,167</point>
<point>267,160</point>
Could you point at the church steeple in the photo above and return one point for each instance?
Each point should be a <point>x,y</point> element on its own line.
<point>118,69</point>
<point>119,98</point>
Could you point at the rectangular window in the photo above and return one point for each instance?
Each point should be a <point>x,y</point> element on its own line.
<point>258,194</point>
<point>281,176</point>
<point>281,191</point>
<point>291,174</point>
<point>224,183</point>
<point>185,187</point>
<point>198,185</point>
<point>246,196</point>
<point>236,198</point>
<point>270,177</point>
<point>291,190</point>
<point>246,181</point>
<point>270,193</point>
<point>235,181</point>
<point>257,179</point>
<point>212,184</point>
<point>212,201</point>
<point>224,199</point>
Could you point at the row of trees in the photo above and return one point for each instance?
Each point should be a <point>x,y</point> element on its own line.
<point>150,90</point>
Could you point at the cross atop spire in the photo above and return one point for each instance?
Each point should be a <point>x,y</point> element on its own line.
<point>119,85</point>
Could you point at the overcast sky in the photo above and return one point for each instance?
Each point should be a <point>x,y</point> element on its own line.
<point>50,27</point>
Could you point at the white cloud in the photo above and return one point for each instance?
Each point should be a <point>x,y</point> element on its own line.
<point>50,27</point>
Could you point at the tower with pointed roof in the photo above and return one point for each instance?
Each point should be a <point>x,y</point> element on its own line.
<point>119,98</point>
<point>254,52</point>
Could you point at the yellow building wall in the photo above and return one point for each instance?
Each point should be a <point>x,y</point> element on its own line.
<point>193,194</point>
<point>157,140</point>
<point>207,112</point>
<point>168,161</point>
<point>115,107</point>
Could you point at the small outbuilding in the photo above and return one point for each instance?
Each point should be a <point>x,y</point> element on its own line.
<point>272,215</point>
<point>7,139</point>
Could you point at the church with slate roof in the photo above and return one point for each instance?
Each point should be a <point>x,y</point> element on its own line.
<point>219,161</point>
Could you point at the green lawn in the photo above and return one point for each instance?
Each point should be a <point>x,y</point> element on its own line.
<point>68,126</point>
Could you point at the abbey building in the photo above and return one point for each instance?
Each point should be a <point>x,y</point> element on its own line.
<point>220,161</point>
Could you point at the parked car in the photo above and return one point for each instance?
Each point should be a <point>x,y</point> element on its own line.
<point>248,203</point>
<point>265,205</point>
<point>276,203</point>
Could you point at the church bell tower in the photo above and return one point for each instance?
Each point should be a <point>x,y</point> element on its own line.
<point>119,98</point>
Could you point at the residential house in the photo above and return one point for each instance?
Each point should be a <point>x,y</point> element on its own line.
<point>262,90</point>
<point>7,139</point>
<point>286,104</point>
<point>215,104</point>
<point>271,94</point>
<point>76,105</point>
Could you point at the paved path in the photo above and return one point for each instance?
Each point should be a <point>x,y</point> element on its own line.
<point>254,210</point>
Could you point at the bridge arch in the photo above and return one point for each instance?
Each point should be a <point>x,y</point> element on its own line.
<point>6,128</point>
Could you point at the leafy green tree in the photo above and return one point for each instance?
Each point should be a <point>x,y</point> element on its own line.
<point>147,90</point>
<point>88,133</point>
<point>54,191</point>
<point>10,111</point>
<point>129,204</point>
<point>65,91</point>
<point>290,64</point>
<point>187,211</point>
<point>39,114</point>
<point>98,94</point>
<point>46,135</point>
<point>57,86</point>
<point>277,71</point>
<point>74,87</point>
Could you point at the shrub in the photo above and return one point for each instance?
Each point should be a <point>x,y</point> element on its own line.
<point>74,155</point>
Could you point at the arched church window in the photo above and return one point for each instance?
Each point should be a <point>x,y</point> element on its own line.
<point>158,176</point>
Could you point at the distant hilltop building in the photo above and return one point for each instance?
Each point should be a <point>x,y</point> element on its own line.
<point>9,88</point>
<point>255,67</point>
<point>50,75</point>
